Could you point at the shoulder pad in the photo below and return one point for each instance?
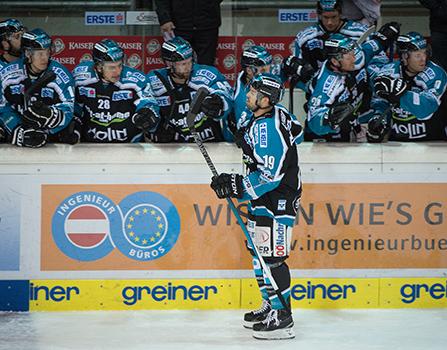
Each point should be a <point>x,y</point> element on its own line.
<point>356,25</point>
<point>11,69</point>
<point>308,33</point>
<point>205,72</point>
<point>134,73</point>
<point>63,76</point>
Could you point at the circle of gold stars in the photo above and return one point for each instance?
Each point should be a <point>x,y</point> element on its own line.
<point>154,235</point>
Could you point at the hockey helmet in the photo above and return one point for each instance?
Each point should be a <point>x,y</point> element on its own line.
<point>255,56</point>
<point>175,50</point>
<point>269,85</point>
<point>328,6</point>
<point>338,45</point>
<point>36,39</point>
<point>107,50</point>
<point>411,41</point>
<point>10,26</point>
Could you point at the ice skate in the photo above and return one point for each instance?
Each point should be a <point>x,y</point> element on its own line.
<point>277,325</point>
<point>256,316</point>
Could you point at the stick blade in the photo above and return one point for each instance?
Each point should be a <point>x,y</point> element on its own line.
<point>195,107</point>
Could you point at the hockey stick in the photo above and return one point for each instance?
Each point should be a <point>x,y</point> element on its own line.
<point>292,84</point>
<point>193,111</point>
<point>43,80</point>
<point>365,35</point>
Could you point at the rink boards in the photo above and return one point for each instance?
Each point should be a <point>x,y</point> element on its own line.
<point>119,227</point>
<point>78,295</point>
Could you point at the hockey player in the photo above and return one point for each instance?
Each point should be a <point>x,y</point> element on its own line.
<point>31,122</point>
<point>340,93</point>
<point>114,102</point>
<point>254,60</point>
<point>309,43</point>
<point>409,92</point>
<point>175,86</point>
<point>11,31</point>
<point>273,187</point>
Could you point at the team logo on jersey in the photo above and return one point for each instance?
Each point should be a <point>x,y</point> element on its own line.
<point>86,91</point>
<point>87,226</point>
<point>134,60</point>
<point>58,45</point>
<point>122,95</point>
<point>282,204</point>
<point>47,92</point>
<point>229,61</point>
<point>153,46</point>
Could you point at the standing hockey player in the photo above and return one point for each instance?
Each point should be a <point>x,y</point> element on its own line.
<point>114,103</point>
<point>309,43</point>
<point>174,88</point>
<point>31,121</point>
<point>11,31</point>
<point>410,92</point>
<point>340,93</point>
<point>254,60</point>
<point>273,187</point>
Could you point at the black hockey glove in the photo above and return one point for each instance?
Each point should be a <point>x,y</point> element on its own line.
<point>29,137</point>
<point>228,185</point>
<point>39,115</point>
<point>71,134</point>
<point>377,129</point>
<point>165,134</point>
<point>239,135</point>
<point>340,112</point>
<point>212,106</point>
<point>297,68</point>
<point>313,51</point>
<point>387,34</point>
<point>145,119</point>
<point>391,89</point>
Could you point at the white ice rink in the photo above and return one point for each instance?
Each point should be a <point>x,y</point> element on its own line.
<point>185,330</point>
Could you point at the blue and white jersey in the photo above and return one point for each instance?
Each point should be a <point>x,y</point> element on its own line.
<point>105,110</point>
<point>273,180</point>
<point>413,118</point>
<point>330,87</point>
<point>174,101</point>
<point>309,43</point>
<point>15,79</point>
<point>241,89</point>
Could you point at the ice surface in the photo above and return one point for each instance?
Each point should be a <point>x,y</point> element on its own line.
<point>196,330</point>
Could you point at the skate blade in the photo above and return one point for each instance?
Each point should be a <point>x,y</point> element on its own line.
<point>248,324</point>
<point>278,334</point>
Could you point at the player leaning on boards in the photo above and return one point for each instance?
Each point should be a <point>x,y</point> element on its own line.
<point>409,93</point>
<point>114,102</point>
<point>174,88</point>
<point>340,94</point>
<point>273,187</point>
<point>31,122</point>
